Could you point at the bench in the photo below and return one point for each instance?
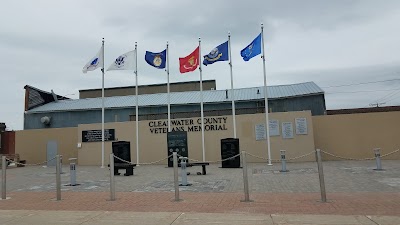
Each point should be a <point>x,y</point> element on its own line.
<point>128,168</point>
<point>202,164</point>
<point>13,157</point>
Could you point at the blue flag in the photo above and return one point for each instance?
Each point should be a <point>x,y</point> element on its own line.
<point>156,59</point>
<point>219,53</point>
<point>253,49</point>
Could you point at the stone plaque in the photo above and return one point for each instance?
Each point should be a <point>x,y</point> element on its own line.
<point>261,134</point>
<point>287,130</point>
<point>301,126</point>
<point>95,135</point>
<point>273,128</point>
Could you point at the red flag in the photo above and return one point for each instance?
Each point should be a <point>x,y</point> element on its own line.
<point>190,62</point>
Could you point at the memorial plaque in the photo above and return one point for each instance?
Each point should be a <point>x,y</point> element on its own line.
<point>273,128</point>
<point>261,134</point>
<point>95,135</point>
<point>301,126</point>
<point>287,130</point>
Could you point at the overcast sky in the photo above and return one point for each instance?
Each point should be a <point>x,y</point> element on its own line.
<point>46,43</point>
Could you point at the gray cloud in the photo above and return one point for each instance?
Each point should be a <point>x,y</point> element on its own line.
<point>181,19</point>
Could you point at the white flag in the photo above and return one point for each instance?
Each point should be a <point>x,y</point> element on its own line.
<point>95,62</point>
<point>124,62</point>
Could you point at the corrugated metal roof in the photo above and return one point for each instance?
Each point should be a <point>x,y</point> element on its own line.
<point>177,98</point>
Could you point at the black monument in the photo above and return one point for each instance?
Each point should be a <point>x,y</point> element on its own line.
<point>122,150</point>
<point>229,148</point>
<point>177,142</point>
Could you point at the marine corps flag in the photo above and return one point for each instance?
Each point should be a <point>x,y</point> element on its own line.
<point>190,62</point>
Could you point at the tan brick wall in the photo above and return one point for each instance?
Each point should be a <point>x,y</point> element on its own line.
<point>154,146</point>
<point>350,135</point>
<point>355,135</point>
<point>31,144</point>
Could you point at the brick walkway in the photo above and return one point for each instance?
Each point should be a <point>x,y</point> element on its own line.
<point>268,203</point>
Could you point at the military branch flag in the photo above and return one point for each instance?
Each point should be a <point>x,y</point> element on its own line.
<point>190,62</point>
<point>253,49</point>
<point>124,62</point>
<point>95,62</point>
<point>156,60</point>
<point>219,53</point>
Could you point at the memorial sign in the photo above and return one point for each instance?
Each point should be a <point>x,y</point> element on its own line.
<point>95,135</point>
<point>301,126</point>
<point>188,125</point>
<point>261,134</point>
<point>287,130</point>
<point>273,128</point>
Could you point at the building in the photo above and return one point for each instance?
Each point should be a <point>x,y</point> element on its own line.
<point>185,103</point>
<point>7,140</point>
<point>2,137</point>
<point>148,89</point>
<point>298,123</point>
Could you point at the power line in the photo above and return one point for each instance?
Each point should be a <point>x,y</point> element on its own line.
<point>387,96</point>
<point>342,92</point>
<point>353,84</point>
<point>391,97</point>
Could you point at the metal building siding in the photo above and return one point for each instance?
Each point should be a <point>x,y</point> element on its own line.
<point>74,118</point>
<point>315,103</point>
<point>283,98</point>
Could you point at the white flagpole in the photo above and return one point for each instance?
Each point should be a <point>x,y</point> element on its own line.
<point>232,91</point>
<point>169,106</point>
<point>137,108</point>
<point>266,97</point>
<point>201,105</point>
<point>102,112</point>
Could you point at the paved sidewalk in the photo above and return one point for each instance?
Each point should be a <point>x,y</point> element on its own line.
<point>168,218</point>
<point>268,203</point>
